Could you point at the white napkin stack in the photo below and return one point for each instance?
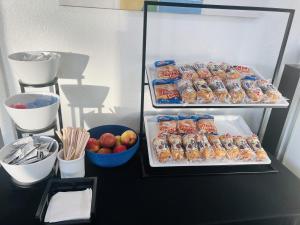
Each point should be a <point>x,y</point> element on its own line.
<point>72,205</point>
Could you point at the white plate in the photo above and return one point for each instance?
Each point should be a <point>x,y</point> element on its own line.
<point>235,125</point>
<point>151,75</point>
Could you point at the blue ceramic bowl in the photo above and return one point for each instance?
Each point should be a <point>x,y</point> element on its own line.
<point>115,159</point>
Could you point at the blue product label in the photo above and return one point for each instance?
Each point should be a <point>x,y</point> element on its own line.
<point>166,118</point>
<point>164,63</point>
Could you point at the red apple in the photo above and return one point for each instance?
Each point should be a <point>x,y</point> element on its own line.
<point>128,138</point>
<point>107,140</point>
<point>93,145</point>
<point>119,148</point>
<point>104,151</point>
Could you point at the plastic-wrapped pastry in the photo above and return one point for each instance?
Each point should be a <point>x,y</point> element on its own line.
<point>204,93</point>
<point>236,92</point>
<point>166,69</point>
<point>272,95</point>
<point>254,93</point>
<point>191,149</point>
<point>187,91</point>
<point>216,70</point>
<point>233,151</point>
<point>206,125</point>
<point>231,72</point>
<point>187,124</point>
<point>218,87</point>
<point>204,147</point>
<point>187,72</point>
<point>255,144</point>
<point>246,153</point>
<point>167,124</point>
<point>220,152</point>
<point>201,69</point>
<point>166,92</point>
<point>177,151</point>
<point>161,148</point>
<point>244,70</point>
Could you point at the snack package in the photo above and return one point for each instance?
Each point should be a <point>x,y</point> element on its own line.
<point>216,70</point>
<point>218,88</point>
<point>231,72</point>
<point>246,153</point>
<point>186,90</point>
<point>244,70</point>
<point>206,125</point>
<point>166,69</point>
<point>220,152</point>
<point>191,149</point>
<point>206,151</point>
<point>233,151</point>
<point>177,151</point>
<point>167,124</point>
<point>255,144</point>
<point>272,95</point>
<point>187,72</point>
<point>166,92</point>
<point>161,148</point>
<point>187,124</point>
<point>236,92</point>
<point>204,93</point>
<point>202,71</point>
<point>254,93</point>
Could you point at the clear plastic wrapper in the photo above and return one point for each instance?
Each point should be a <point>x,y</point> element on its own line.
<point>167,124</point>
<point>187,72</point>
<point>231,72</point>
<point>206,151</point>
<point>204,93</point>
<point>177,151</point>
<point>218,88</point>
<point>187,124</point>
<point>166,92</point>
<point>202,71</point>
<point>246,153</point>
<point>206,124</point>
<point>255,144</point>
<point>191,149</point>
<point>166,69</point>
<point>187,91</point>
<point>233,151</point>
<point>220,152</point>
<point>253,92</point>
<point>161,148</point>
<point>236,92</point>
<point>216,70</point>
<point>272,95</point>
<point>244,70</point>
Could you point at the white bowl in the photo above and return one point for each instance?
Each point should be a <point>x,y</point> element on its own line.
<point>32,119</point>
<point>33,70</point>
<point>29,173</point>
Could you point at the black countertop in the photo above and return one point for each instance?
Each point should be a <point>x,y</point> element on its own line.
<point>124,197</point>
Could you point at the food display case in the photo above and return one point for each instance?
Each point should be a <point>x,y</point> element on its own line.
<point>174,84</point>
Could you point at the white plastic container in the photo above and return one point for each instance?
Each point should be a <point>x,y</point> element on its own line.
<point>71,168</point>
<point>35,67</point>
<point>32,119</point>
<point>30,173</point>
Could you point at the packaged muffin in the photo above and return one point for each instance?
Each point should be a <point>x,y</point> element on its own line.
<point>236,92</point>
<point>187,72</point>
<point>202,71</point>
<point>244,70</point>
<point>233,151</point>
<point>187,124</point>
<point>204,93</point>
<point>166,92</point>
<point>216,70</point>
<point>191,149</point>
<point>220,152</point>
<point>166,69</point>
<point>218,88</point>
<point>255,144</point>
<point>206,125</point>
<point>272,95</point>
<point>246,153</point>
<point>231,72</point>
<point>177,151</point>
<point>161,148</point>
<point>254,93</point>
<point>187,91</point>
<point>167,124</point>
<point>206,151</point>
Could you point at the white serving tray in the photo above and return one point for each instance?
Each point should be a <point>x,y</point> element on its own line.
<point>151,75</point>
<point>235,125</point>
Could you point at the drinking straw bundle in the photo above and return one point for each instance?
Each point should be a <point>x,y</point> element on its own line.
<point>74,141</point>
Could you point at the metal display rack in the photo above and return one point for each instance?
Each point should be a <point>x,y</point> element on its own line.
<point>183,171</point>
